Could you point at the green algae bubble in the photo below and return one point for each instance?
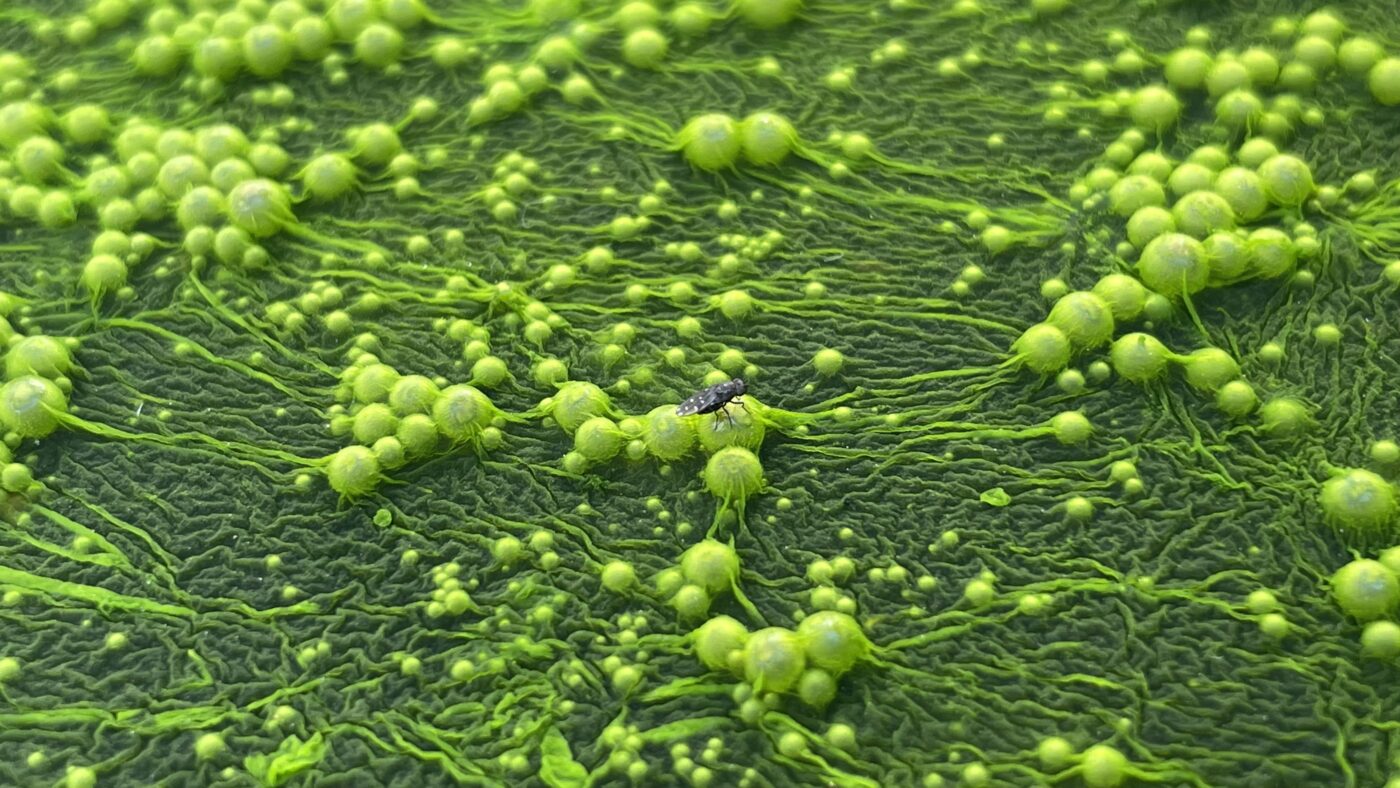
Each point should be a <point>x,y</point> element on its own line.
<point>1271,253</point>
<point>329,176</point>
<point>56,210</point>
<point>1243,189</point>
<point>1385,452</point>
<point>1084,318</point>
<point>618,576</point>
<point>1323,24</point>
<point>1134,192</point>
<point>20,120</point>
<point>979,592</point>
<point>1228,256</point>
<point>1190,177</point>
<point>1174,264</point>
<point>267,49</point>
<point>1186,68</point>
<point>711,142</point>
<point>379,45</point>
<point>32,406</point>
<point>489,372</point>
<point>767,138</point>
<point>711,565</point>
<point>733,473</point>
<point>828,361</point>
<point>201,206</point>
<point>1261,601</point>
<point>1148,223</point>
<point>692,19</point>
<point>767,14</point>
<point>1152,164</point>
<point>374,382</point>
<point>645,48</point>
<point>372,422</point>
<point>1201,213</point>
<point>742,428</point>
<point>1071,427</point>
<point>79,777</point>
<point>666,435</point>
<point>181,173</point>
<point>1315,52</point>
<point>1124,295</point>
<point>1383,80</point>
<point>576,402</point>
<point>261,207</point>
<point>1139,357</point>
<point>45,356</point>
<point>1054,753</point>
<point>1102,766</point>
<point>833,641</point>
<point>1154,107</point>
<point>1381,640</point>
<point>1366,589</point>
<point>774,659</point>
<point>1210,368</point>
<point>39,159</point>
<point>389,451</point>
<point>1238,110</point>
<point>1122,470</point>
<point>1236,399</point>
<point>1077,508</point>
<point>975,775</point>
<point>1261,64</point>
<point>735,304</point>
<point>1044,348</point>
<point>637,15</point>
<point>817,688</point>
<point>413,394</point>
<point>1360,503</point>
<point>461,412</point>
<point>1285,417</point>
<point>1256,151</point>
<point>209,746</point>
<point>16,477</point>
<point>842,736</point>
<point>1286,180</point>
<point>598,439</point>
<point>353,471</point>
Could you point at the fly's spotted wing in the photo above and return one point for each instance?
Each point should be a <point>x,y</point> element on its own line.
<point>691,405</point>
<point>711,399</point>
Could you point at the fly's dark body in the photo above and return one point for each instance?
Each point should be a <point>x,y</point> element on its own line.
<point>714,399</point>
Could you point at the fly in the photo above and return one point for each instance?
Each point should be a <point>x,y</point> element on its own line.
<point>715,399</point>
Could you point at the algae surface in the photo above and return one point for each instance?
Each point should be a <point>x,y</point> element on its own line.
<point>343,345</point>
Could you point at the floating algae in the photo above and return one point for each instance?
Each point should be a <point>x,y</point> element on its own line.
<point>343,341</point>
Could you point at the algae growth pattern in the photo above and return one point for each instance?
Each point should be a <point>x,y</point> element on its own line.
<point>344,344</point>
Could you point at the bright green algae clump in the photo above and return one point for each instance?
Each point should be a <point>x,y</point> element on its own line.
<point>343,342</point>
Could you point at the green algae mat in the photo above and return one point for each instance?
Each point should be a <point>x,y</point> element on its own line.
<point>1047,355</point>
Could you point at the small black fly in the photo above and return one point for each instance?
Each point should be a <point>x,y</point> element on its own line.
<point>715,399</point>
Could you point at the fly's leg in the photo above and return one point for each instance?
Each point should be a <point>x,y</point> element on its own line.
<point>728,416</point>
<point>740,403</point>
<point>714,425</point>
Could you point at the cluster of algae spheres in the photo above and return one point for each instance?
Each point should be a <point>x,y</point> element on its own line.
<point>1200,242</point>
<point>224,192</point>
<point>1236,215</point>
